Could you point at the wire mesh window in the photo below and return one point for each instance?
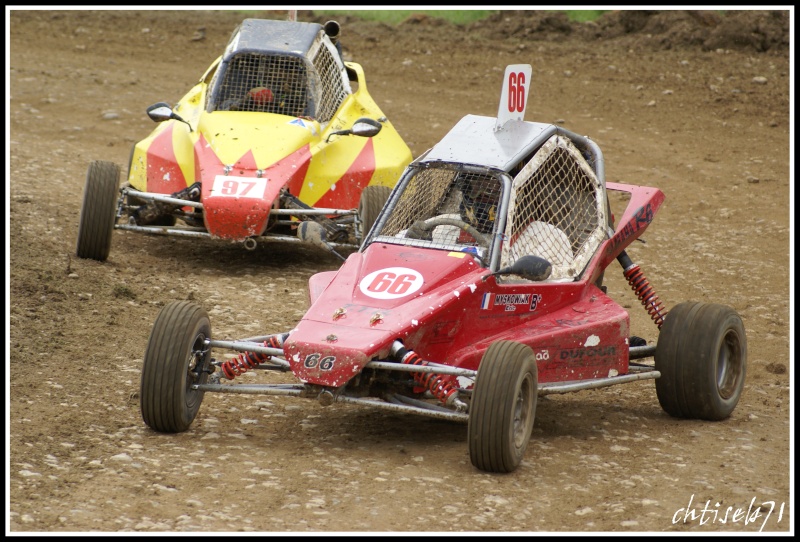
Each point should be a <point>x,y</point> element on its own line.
<point>265,84</point>
<point>557,210</point>
<point>333,87</point>
<point>445,206</point>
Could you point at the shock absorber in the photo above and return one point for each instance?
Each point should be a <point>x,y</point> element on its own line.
<point>246,361</point>
<point>443,387</point>
<point>641,287</point>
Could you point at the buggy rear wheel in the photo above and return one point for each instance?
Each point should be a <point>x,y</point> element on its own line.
<point>701,354</point>
<point>372,200</point>
<point>503,407</point>
<point>98,212</point>
<point>176,358</point>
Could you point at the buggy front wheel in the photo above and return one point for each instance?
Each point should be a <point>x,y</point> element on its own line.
<point>372,200</point>
<point>701,354</point>
<point>98,212</point>
<point>176,358</point>
<point>503,407</point>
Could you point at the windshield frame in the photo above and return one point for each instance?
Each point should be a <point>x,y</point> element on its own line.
<point>491,257</point>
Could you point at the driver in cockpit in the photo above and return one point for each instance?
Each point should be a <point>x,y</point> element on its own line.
<point>480,196</point>
<point>466,215</point>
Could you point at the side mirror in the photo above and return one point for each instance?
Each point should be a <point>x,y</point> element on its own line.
<point>161,111</point>
<point>528,267</point>
<point>364,127</point>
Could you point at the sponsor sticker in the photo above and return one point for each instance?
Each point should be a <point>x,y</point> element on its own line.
<point>511,301</point>
<point>583,353</point>
<point>304,124</point>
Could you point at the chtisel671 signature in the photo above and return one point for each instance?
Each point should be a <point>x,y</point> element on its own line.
<point>716,514</point>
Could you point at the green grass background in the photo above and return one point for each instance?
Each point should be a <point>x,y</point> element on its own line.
<point>394,17</point>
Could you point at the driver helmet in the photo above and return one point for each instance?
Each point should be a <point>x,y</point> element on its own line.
<point>260,95</point>
<point>479,199</point>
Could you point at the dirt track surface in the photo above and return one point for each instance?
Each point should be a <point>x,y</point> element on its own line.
<point>693,104</point>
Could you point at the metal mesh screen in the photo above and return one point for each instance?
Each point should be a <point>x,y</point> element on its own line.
<point>265,84</point>
<point>333,79</point>
<point>443,196</point>
<point>557,210</point>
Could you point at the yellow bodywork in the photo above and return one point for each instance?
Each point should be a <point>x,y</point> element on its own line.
<point>332,171</point>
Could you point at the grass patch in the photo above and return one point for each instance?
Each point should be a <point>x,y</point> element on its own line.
<point>394,17</point>
<point>122,291</point>
<point>581,16</point>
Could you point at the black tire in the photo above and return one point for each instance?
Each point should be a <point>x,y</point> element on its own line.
<point>503,407</point>
<point>701,354</point>
<point>372,200</point>
<point>98,212</point>
<point>175,359</point>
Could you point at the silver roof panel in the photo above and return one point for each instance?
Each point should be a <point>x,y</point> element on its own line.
<point>474,141</point>
<point>267,35</point>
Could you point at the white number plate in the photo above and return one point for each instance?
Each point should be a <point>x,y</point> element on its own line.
<point>238,187</point>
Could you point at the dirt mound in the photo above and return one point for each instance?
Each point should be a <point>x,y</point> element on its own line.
<point>755,31</point>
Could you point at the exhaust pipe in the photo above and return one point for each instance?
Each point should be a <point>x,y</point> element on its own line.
<point>333,29</point>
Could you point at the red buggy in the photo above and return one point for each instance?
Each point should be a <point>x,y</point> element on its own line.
<point>478,289</point>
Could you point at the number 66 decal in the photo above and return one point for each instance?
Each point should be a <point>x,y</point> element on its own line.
<point>514,96</point>
<point>325,363</point>
<point>391,283</point>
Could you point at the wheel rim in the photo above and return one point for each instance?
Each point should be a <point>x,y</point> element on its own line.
<point>729,365</point>
<point>523,407</point>
<point>195,370</point>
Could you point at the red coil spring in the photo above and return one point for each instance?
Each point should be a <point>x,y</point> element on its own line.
<point>248,360</point>
<point>441,386</point>
<point>646,294</point>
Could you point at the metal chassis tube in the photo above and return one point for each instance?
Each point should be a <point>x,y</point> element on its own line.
<point>399,403</point>
<point>190,231</point>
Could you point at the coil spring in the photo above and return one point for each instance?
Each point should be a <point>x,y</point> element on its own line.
<point>646,294</point>
<point>248,360</point>
<point>441,386</point>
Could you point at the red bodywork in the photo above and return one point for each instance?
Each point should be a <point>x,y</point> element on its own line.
<point>439,305</point>
<point>237,202</point>
<point>247,214</point>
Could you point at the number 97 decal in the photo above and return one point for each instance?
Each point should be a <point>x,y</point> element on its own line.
<point>238,187</point>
